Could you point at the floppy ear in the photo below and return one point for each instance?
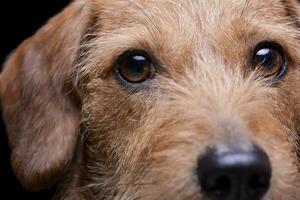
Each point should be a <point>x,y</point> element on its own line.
<point>40,105</point>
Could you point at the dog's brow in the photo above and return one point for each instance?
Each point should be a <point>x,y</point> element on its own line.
<point>245,7</point>
<point>291,13</point>
<point>151,19</point>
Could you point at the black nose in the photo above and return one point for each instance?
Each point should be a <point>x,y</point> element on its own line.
<point>234,175</point>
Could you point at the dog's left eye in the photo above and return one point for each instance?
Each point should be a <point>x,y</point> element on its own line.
<point>269,60</point>
<point>135,67</point>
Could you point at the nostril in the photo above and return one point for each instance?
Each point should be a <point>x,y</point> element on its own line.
<point>258,183</point>
<point>220,186</point>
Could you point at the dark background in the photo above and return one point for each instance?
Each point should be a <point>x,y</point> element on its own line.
<point>20,19</point>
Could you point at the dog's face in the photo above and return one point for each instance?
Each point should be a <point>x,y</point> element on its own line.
<point>176,100</point>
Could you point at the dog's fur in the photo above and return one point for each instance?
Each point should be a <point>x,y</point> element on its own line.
<point>72,125</point>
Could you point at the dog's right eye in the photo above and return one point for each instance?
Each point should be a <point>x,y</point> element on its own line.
<point>135,67</point>
<point>269,60</point>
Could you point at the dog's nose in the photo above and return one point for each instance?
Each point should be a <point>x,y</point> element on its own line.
<point>234,175</point>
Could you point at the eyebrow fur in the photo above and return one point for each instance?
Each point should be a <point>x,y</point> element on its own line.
<point>291,13</point>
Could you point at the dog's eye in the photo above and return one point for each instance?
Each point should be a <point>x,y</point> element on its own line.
<point>269,60</point>
<point>135,68</point>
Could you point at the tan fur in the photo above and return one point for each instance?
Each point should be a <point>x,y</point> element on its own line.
<point>70,124</point>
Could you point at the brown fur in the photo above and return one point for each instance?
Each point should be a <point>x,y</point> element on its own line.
<point>70,124</point>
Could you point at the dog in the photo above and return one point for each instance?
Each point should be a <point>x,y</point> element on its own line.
<point>158,99</point>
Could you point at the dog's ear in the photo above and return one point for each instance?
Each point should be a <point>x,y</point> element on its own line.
<point>39,103</point>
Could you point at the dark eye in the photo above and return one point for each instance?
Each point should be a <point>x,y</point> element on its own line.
<point>269,60</point>
<point>135,67</point>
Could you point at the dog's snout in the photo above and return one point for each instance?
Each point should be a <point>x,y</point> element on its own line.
<point>234,175</point>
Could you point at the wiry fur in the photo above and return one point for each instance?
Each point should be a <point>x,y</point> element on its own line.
<point>145,144</point>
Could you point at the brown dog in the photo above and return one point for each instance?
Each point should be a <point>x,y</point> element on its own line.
<point>159,99</point>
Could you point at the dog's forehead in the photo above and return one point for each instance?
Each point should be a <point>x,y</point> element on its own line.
<point>194,18</point>
<point>173,29</point>
<point>202,10</point>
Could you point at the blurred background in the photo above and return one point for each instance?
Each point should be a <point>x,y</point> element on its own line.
<point>19,20</point>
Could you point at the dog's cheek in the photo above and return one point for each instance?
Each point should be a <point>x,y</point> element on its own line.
<point>287,110</point>
<point>112,115</point>
<point>297,137</point>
